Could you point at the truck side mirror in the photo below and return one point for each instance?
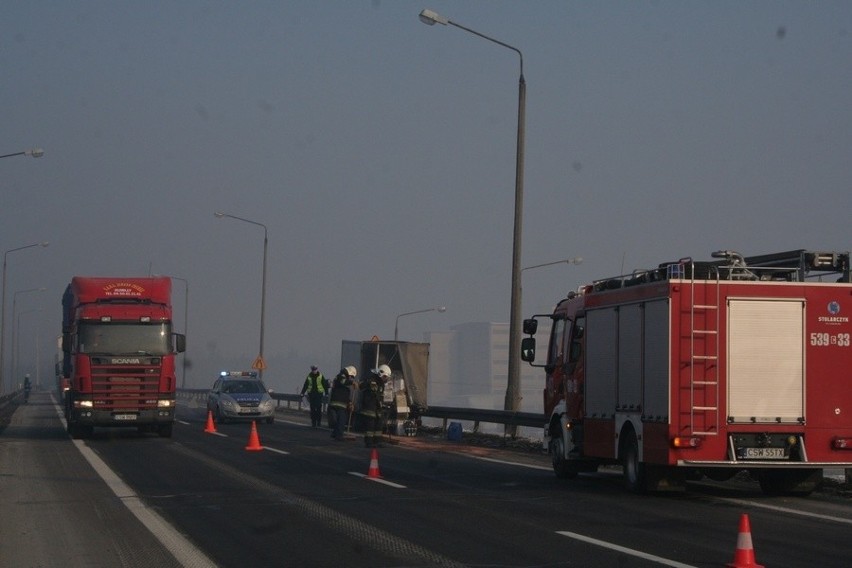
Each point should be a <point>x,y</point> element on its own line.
<point>528,349</point>
<point>530,327</point>
<point>180,342</point>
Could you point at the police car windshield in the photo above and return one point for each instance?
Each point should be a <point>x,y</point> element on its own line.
<point>245,387</point>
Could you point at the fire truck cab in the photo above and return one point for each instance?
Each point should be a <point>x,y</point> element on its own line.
<point>704,368</point>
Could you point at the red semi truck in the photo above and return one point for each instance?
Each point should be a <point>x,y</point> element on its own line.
<point>704,368</point>
<point>119,354</point>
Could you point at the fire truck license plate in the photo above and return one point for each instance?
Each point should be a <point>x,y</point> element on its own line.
<point>125,417</point>
<point>765,453</point>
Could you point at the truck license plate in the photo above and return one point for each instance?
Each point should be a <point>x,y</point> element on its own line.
<point>765,453</point>
<point>125,417</point>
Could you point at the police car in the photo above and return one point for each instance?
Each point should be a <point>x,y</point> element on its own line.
<point>240,395</point>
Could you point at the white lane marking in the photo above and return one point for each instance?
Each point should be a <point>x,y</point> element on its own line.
<point>787,510</point>
<point>182,549</point>
<point>377,480</point>
<point>505,462</point>
<point>292,423</point>
<point>630,551</point>
<point>282,452</point>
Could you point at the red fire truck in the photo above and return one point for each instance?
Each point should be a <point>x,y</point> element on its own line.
<point>704,368</point>
<point>119,354</point>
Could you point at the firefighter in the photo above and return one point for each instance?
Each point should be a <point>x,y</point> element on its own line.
<point>316,385</point>
<point>372,387</point>
<point>340,401</point>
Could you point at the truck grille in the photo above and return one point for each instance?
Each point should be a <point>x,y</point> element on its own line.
<point>125,388</point>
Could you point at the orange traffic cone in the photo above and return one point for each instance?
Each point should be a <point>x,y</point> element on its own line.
<point>254,441</point>
<point>210,428</point>
<point>374,464</point>
<point>744,555</point>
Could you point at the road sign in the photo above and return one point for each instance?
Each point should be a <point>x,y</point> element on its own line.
<point>259,363</point>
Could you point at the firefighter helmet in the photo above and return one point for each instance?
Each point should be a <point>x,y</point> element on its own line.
<point>383,371</point>
<point>351,371</point>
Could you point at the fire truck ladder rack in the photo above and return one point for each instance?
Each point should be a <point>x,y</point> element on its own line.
<point>704,301</point>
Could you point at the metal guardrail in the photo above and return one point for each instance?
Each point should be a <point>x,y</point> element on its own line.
<point>505,417</point>
<point>9,396</point>
<point>201,395</point>
<point>477,416</point>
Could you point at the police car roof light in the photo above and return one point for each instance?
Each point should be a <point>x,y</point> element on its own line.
<point>238,374</point>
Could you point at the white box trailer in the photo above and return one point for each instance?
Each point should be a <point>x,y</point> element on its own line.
<point>405,395</point>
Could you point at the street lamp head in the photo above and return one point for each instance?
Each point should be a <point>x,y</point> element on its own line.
<point>431,18</point>
<point>442,309</point>
<point>43,244</point>
<point>35,152</point>
<point>218,214</point>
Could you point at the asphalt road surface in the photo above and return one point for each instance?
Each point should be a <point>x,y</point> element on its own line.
<point>304,499</point>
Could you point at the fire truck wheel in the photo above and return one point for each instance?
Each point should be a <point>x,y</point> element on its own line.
<point>720,474</point>
<point>165,431</point>
<point>789,481</point>
<point>561,466</point>
<point>634,470</point>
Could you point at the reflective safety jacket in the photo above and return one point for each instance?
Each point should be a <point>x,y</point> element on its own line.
<point>315,383</point>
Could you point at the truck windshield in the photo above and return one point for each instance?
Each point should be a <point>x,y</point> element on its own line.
<point>124,338</point>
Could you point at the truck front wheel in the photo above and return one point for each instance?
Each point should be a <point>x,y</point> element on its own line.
<point>79,431</point>
<point>561,465</point>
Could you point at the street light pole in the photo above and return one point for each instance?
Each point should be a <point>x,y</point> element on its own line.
<point>573,260</point>
<point>3,308</point>
<point>440,309</point>
<point>15,337</point>
<point>513,395</point>
<point>220,215</point>
<point>34,152</point>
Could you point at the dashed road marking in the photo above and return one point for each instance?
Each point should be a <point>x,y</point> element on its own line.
<point>625,550</point>
<point>378,480</point>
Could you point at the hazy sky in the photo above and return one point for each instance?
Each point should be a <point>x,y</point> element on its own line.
<point>380,154</point>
